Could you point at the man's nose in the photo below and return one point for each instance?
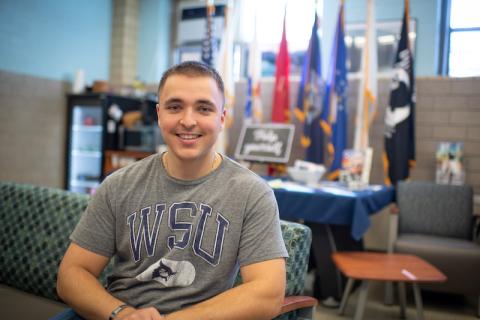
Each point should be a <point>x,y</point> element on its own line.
<point>188,118</point>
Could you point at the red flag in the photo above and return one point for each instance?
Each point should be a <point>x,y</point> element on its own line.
<point>281,96</point>
<point>281,93</point>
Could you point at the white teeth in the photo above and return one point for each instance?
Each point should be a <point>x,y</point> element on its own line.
<point>189,136</point>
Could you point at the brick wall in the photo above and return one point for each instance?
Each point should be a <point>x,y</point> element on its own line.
<point>448,110</point>
<point>123,62</point>
<point>33,121</point>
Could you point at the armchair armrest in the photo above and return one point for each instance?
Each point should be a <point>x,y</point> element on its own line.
<point>297,239</point>
<point>292,303</point>
<point>476,230</point>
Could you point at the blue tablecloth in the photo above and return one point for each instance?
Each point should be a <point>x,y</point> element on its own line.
<point>332,204</point>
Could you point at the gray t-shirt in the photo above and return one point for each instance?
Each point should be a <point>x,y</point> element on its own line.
<point>177,243</point>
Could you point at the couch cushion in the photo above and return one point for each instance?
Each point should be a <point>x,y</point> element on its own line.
<point>16,304</point>
<point>458,259</point>
<point>438,245</point>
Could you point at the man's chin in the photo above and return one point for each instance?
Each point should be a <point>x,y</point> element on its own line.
<point>187,155</point>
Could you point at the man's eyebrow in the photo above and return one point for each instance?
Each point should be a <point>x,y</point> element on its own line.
<point>197,102</point>
<point>204,101</point>
<point>173,100</point>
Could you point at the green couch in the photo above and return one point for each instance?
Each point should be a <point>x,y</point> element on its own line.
<point>35,224</point>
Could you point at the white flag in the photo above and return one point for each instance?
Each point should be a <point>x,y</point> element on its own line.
<point>367,93</point>
<point>253,105</point>
<point>224,67</point>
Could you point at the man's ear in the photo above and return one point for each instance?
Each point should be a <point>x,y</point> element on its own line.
<point>223,117</point>
<point>158,114</point>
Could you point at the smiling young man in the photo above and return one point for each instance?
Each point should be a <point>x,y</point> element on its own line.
<point>180,224</point>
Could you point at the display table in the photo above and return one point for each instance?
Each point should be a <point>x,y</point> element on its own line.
<point>332,204</point>
<point>338,218</point>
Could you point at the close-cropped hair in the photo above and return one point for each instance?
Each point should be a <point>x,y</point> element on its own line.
<point>193,69</point>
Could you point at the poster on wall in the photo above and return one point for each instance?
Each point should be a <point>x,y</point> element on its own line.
<point>450,167</point>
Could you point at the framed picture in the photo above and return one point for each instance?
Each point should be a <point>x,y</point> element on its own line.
<point>356,167</point>
<point>450,167</point>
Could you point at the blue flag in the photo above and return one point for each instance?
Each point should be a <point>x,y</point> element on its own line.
<point>309,102</point>
<point>248,104</point>
<point>336,99</point>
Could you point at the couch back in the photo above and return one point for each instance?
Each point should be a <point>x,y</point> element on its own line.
<point>35,224</point>
<point>435,209</point>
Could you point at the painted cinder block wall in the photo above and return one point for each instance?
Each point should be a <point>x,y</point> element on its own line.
<point>32,125</point>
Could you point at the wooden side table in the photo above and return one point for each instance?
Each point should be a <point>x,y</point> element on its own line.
<point>401,268</point>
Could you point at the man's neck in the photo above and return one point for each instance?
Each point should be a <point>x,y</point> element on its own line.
<point>190,170</point>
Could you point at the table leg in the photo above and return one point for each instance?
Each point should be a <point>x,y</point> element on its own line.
<point>418,301</point>
<point>345,296</point>
<point>402,298</point>
<point>362,299</point>
<point>325,283</point>
<point>388,300</point>
<point>478,306</point>
<point>333,247</point>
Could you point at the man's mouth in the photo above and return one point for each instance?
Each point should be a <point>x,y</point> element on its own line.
<point>188,136</point>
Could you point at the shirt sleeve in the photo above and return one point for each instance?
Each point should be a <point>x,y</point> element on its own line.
<point>96,229</point>
<point>261,237</point>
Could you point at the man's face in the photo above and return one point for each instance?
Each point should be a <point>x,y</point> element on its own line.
<point>190,116</point>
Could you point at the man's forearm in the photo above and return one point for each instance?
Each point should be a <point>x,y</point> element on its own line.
<point>85,294</point>
<point>247,301</point>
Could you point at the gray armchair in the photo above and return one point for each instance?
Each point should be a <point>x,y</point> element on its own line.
<point>436,223</point>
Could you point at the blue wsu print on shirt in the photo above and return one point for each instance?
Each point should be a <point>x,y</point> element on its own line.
<point>170,272</point>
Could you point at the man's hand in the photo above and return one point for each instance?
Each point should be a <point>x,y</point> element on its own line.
<point>130,313</point>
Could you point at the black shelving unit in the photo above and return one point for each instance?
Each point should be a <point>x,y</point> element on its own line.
<point>91,131</point>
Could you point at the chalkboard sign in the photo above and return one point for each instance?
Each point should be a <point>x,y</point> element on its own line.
<point>270,142</point>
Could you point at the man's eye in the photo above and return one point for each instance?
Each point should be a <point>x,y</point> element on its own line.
<point>205,109</point>
<point>173,107</point>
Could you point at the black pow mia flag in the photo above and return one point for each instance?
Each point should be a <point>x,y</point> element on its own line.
<point>399,155</point>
